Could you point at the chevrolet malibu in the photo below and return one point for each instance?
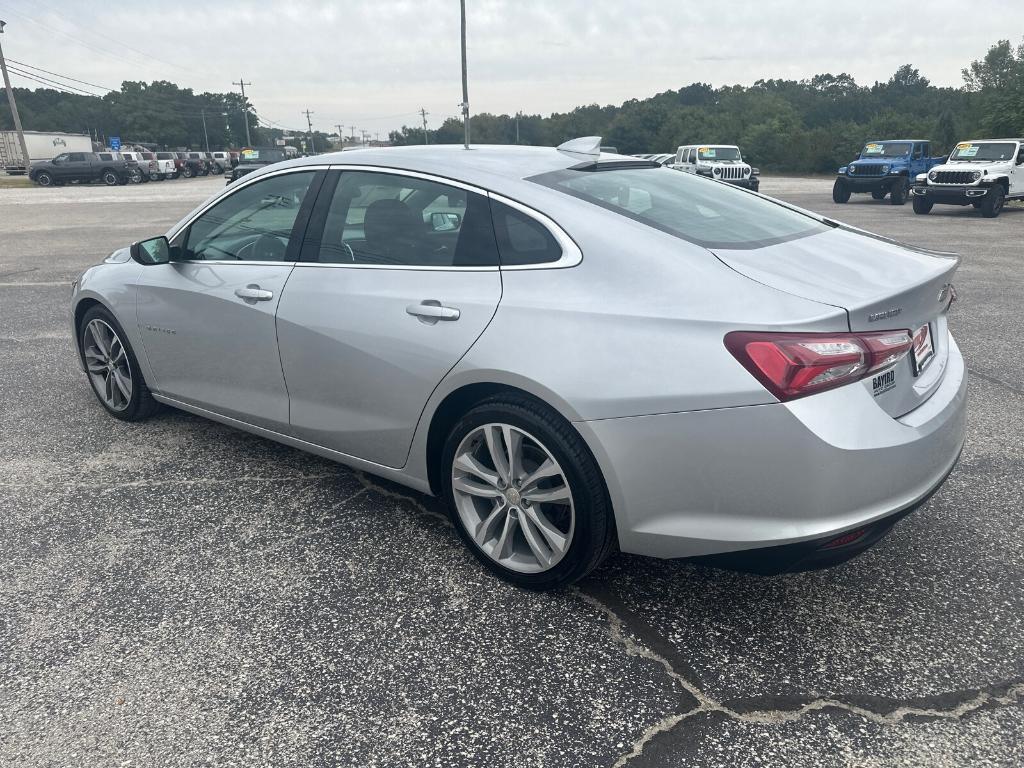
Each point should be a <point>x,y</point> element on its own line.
<point>578,351</point>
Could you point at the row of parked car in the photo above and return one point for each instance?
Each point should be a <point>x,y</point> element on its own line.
<point>983,173</point>
<point>129,166</point>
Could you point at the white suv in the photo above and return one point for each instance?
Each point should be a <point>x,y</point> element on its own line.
<point>984,173</point>
<point>721,162</point>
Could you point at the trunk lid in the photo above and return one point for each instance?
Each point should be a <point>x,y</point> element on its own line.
<point>882,286</point>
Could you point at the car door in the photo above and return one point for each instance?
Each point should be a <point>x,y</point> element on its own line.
<point>207,319</point>
<point>79,166</point>
<point>1017,172</point>
<point>398,278</point>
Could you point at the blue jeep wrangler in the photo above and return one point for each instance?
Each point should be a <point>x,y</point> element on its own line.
<point>885,168</point>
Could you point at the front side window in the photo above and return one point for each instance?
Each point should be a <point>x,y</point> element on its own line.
<point>388,219</point>
<point>703,212</point>
<point>62,158</point>
<point>918,152</point>
<point>253,224</point>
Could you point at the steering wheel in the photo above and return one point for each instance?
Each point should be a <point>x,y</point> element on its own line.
<point>268,248</point>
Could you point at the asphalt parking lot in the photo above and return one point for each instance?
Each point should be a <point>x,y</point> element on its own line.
<point>180,593</point>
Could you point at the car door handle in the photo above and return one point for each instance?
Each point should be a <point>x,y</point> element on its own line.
<point>431,310</point>
<point>253,293</point>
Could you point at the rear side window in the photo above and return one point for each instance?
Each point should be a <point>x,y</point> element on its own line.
<point>522,240</point>
<point>385,219</point>
<point>708,213</point>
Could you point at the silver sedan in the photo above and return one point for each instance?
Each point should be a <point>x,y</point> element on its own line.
<point>577,351</point>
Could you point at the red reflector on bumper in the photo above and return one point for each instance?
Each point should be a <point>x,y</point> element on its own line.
<point>846,538</point>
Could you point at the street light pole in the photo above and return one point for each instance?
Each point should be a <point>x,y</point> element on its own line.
<point>465,79</point>
<point>14,108</point>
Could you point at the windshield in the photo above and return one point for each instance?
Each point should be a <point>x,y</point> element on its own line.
<point>898,149</point>
<point>718,154</point>
<point>983,152</point>
<point>695,209</point>
<point>263,155</point>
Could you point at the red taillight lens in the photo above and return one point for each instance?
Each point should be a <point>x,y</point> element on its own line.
<point>792,365</point>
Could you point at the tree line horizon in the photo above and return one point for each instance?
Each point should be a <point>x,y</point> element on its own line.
<point>812,125</point>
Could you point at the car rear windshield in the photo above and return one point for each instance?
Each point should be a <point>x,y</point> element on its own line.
<point>708,213</point>
<point>899,149</point>
<point>985,151</point>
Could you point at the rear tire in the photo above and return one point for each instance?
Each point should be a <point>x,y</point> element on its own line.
<point>583,527</point>
<point>878,194</point>
<point>840,192</point>
<point>187,173</point>
<point>898,192</point>
<point>992,203</point>
<point>922,205</point>
<point>97,351</point>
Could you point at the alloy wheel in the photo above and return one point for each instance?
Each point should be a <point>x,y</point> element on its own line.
<point>513,498</point>
<point>106,360</point>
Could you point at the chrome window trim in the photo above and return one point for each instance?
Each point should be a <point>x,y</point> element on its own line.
<point>230,189</point>
<point>571,253</point>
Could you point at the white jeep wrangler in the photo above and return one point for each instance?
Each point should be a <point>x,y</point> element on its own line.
<point>984,173</point>
<point>721,162</point>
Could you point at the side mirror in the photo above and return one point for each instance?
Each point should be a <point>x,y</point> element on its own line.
<point>444,222</point>
<point>156,250</point>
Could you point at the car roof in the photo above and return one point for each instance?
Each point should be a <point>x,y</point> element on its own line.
<point>968,141</point>
<point>895,141</point>
<point>495,167</point>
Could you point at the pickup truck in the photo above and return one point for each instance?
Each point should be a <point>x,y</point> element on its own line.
<point>143,166</point>
<point>80,166</point>
<point>885,168</point>
<point>984,173</point>
<point>192,164</point>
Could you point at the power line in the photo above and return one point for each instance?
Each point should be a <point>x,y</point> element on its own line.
<point>146,56</point>
<point>52,84</point>
<point>63,77</point>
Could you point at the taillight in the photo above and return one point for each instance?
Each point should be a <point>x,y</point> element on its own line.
<point>792,365</point>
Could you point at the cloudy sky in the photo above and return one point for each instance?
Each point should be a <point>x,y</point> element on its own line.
<point>373,64</point>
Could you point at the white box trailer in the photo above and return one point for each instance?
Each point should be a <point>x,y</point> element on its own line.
<point>41,146</point>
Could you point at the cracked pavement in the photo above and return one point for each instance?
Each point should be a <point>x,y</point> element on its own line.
<point>180,593</point>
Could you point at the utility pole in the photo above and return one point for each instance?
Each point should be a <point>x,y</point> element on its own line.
<point>423,114</point>
<point>206,136</point>
<point>309,122</point>
<point>14,107</point>
<point>352,134</point>
<point>245,109</point>
<point>465,80</point>
<point>517,127</point>
<point>341,135</point>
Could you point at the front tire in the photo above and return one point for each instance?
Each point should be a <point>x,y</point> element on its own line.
<point>898,192</point>
<point>187,173</point>
<point>110,178</point>
<point>840,192</point>
<point>922,205</point>
<point>992,203</point>
<point>113,368</point>
<point>44,179</point>
<point>525,494</point>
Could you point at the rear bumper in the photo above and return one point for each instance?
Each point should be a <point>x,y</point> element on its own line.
<point>951,195</point>
<point>734,479</point>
